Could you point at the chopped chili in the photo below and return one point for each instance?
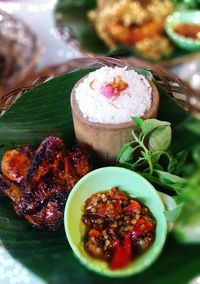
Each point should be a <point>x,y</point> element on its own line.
<point>118,228</point>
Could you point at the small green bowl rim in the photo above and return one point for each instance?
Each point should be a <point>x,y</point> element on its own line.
<point>176,18</point>
<point>122,272</point>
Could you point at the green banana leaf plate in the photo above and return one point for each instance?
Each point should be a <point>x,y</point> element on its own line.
<point>79,33</point>
<point>45,110</point>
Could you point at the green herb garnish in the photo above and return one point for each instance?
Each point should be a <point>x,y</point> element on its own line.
<point>148,154</point>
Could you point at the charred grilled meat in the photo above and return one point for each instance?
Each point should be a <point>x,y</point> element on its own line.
<point>50,216</point>
<point>38,182</point>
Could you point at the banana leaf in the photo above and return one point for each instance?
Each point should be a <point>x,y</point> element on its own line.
<point>43,111</point>
<point>187,4</point>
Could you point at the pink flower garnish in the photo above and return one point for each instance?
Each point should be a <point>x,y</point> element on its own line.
<point>107,91</point>
<point>115,88</point>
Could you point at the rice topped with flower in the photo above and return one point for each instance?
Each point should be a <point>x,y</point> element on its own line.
<point>113,95</point>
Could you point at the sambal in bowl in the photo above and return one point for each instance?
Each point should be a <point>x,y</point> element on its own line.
<point>115,222</point>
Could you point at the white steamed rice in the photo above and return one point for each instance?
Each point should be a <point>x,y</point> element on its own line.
<point>135,100</point>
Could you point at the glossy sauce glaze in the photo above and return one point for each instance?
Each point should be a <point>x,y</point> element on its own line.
<point>15,164</point>
<point>118,228</point>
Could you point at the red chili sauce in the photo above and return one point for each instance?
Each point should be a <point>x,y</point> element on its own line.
<point>188,30</point>
<point>118,228</point>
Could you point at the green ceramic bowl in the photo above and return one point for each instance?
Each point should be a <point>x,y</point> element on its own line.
<point>192,17</point>
<point>134,185</point>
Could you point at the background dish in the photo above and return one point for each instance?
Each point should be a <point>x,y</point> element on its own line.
<point>79,33</point>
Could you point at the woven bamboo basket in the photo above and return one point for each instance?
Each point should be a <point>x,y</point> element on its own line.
<point>175,88</point>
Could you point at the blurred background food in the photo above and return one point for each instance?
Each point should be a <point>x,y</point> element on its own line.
<point>70,32</point>
<point>19,50</point>
<point>124,27</point>
<point>183,28</point>
<point>138,24</point>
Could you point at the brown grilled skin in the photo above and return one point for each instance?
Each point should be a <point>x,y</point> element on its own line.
<point>38,182</point>
<point>81,159</point>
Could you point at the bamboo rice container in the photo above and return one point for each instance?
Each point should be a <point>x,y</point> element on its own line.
<point>107,139</point>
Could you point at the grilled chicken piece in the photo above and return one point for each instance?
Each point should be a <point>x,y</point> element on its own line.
<point>38,183</point>
<point>46,159</point>
<point>69,172</point>
<point>16,163</point>
<point>50,217</point>
<point>81,159</point>
<point>47,175</point>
